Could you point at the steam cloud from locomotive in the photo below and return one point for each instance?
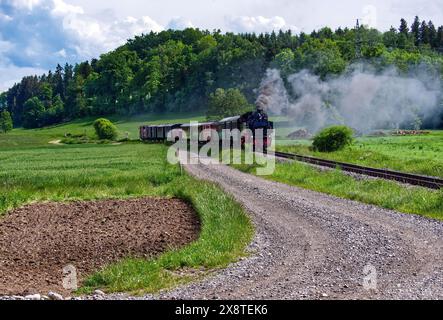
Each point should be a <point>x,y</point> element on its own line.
<point>361,98</point>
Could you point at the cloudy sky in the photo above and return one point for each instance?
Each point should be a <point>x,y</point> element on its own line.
<point>35,35</point>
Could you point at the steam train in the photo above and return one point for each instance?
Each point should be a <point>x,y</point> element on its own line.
<point>249,120</point>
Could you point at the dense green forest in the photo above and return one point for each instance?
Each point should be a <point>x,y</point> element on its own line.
<point>179,70</point>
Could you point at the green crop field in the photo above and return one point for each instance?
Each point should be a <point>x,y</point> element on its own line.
<point>32,170</point>
<point>417,154</point>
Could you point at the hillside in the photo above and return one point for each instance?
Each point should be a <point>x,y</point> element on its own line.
<point>175,71</point>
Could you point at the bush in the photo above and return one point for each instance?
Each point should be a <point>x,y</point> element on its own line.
<point>105,129</point>
<point>333,138</point>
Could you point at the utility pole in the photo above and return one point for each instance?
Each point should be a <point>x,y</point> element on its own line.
<point>358,40</point>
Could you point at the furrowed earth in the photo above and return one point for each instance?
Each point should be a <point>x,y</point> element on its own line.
<point>37,241</point>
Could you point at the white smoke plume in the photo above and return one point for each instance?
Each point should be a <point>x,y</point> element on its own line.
<point>360,98</point>
<point>272,93</point>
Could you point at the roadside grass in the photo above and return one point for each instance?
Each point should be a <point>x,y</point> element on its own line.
<point>383,193</point>
<point>90,172</point>
<point>415,154</point>
<point>226,232</point>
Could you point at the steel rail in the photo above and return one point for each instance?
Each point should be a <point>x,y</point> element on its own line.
<point>408,178</point>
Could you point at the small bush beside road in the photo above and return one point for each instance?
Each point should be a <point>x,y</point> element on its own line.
<point>333,139</point>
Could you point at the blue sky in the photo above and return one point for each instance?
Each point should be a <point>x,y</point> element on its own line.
<point>35,35</point>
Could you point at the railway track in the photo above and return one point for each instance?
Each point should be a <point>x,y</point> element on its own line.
<point>408,178</point>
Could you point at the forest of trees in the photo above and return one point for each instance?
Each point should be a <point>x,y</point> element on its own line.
<point>179,70</point>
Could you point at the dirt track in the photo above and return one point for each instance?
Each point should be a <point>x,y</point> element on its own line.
<point>38,241</point>
<point>313,246</point>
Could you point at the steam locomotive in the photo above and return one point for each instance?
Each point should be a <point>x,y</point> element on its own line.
<point>253,121</point>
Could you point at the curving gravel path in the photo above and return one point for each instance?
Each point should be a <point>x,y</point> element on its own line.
<point>314,246</point>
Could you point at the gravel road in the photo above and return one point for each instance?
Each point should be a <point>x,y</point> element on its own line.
<point>314,246</point>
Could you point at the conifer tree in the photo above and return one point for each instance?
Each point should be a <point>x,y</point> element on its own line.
<point>415,31</point>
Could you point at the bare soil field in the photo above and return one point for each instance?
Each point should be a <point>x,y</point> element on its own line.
<point>37,241</point>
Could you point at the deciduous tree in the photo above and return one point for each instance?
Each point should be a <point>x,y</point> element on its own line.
<point>5,121</point>
<point>225,103</point>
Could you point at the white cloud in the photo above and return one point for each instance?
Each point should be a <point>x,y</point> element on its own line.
<point>91,36</point>
<point>179,23</point>
<point>306,15</point>
<point>61,53</point>
<point>11,74</point>
<point>55,31</point>
<point>5,17</point>
<point>62,8</point>
<point>257,24</point>
<point>80,34</point>
<point>121,30</point>
<point>5,46</point>
<point>24,4</point>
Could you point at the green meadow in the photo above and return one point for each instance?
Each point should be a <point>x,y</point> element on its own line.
<point>32,170</point>
<point>416,154</point>
<point>126,125</point>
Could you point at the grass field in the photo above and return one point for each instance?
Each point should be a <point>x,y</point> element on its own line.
<point>31,170</point>
<point>40,137</point>
<point>383,193</point>
<point>416,154</point>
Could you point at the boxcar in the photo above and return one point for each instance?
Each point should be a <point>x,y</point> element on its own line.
<point>199,129</point>
<point>169,127</point>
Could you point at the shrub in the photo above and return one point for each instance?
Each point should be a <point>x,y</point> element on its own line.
<point>105,129</point>
<point>333,138</point>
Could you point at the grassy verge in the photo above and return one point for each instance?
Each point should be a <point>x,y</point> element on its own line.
<point>387,194</point>
<point>416,154</point>
<point>89,172</point>
<point>225,233</point>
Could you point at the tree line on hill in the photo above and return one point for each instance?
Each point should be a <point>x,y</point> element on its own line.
<point>181,70</point>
